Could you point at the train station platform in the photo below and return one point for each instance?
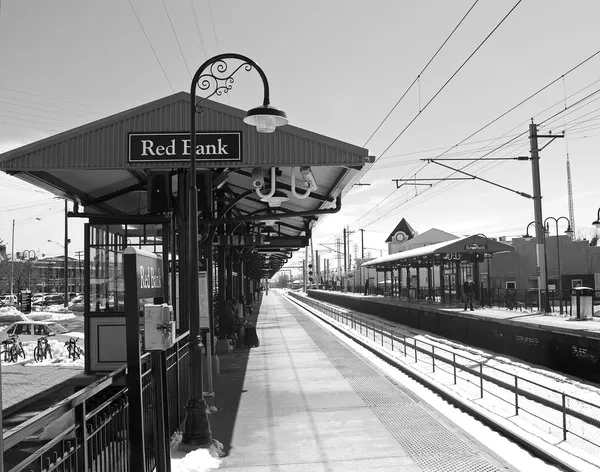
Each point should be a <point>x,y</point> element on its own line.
<point>304,401</point>
<point>556,342</point>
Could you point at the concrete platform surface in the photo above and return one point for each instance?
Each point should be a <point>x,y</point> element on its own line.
<point>302,401</point>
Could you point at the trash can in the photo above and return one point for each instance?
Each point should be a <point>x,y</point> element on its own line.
<point>582,303</point>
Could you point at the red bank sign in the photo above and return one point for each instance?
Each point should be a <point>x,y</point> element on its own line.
<point>169,147</point>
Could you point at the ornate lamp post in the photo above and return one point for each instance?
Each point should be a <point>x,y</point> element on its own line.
<point>569,232</point>
<point>28,255</point>
<point>489,281</point>
<point>527,237</point>
<point>212,76</point>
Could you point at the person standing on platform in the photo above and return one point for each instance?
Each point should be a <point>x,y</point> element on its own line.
<point>367,287</point>
<point>469,292</point>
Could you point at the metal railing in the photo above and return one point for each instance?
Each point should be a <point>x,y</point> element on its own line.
<point>96,431</point>
<point>570,419</point>
<point>513,299</point>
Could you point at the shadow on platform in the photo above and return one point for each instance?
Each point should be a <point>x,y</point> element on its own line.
<point>228,389</point>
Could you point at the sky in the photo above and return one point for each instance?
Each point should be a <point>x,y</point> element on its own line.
<point>337,68</point>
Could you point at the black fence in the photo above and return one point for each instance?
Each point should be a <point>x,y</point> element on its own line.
<point>566,417</point>
<point>574,353</point>
<point>513,299</point>
<point>96,433</point>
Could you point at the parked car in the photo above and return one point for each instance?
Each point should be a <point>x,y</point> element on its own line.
<point>47,300</point>
<point>30,331</point>
<point>8,300</point>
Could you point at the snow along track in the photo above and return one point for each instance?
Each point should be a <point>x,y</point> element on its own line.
<point>563,455</point>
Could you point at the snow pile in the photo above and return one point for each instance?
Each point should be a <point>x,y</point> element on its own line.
<point>9,314</point>
<point>200,460</point>
<point>60,356</point>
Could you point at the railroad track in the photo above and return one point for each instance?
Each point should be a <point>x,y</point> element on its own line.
<point>377,339</point>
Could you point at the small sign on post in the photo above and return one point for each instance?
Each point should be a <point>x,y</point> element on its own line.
<point>203,299</point>
<point>159,327</point>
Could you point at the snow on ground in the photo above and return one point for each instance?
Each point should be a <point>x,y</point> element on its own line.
<point>200,460</point>
<point>494,403</point>
<point>10,314</point>
<point>60,356</point>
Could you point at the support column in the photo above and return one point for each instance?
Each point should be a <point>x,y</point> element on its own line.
<point>458,280</point>
<point>442,283</point>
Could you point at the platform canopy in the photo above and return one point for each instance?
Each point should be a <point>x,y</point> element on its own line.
<point>104,166</point>
<point>454,249</point>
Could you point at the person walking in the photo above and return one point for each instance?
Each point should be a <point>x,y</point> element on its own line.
<point>469,292</point>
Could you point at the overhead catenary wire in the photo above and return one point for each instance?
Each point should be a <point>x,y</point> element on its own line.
<point>177,39</point>
<point>198,28</point>
<point>430,101</point>
<point>580,64</point>
<point>418,77</point>
<point>151,47</point>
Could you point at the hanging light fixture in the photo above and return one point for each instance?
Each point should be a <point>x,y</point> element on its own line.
<point>276,199</point>
<point>266,118</point>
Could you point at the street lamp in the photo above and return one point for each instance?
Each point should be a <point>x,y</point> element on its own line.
<point>597,222</point>
<point>213,77</point>
<point>28,255</point>
<point>12,258</point>
<point>489,280</point>
<point>527,237</point>
<point>568,232</point>
<point>66,268</point>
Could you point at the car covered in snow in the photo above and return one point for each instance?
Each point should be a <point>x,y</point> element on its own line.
<point>30,331</point>
<point>8,300</point>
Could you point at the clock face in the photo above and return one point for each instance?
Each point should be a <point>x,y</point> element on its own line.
<point>400,237</point>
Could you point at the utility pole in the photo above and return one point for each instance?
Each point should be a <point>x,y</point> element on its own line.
<point>12,261</point>
<point>537,208</point>
<point>79,271</point>
<point>345,257</point>
<point>66,256</point>
<point>362,243</point>
<point>337,256</point>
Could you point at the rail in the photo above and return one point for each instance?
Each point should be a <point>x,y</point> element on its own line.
<point>94,433</point>
<point>514,299</point>
<point>564,416</point>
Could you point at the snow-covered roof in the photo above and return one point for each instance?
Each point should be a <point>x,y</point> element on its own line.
<point>467,244</point>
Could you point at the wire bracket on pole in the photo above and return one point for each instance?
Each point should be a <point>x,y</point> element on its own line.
<point>523,194</point>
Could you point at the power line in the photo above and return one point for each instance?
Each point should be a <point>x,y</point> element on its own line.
<point>450,79</point>
<point>151,47</point>
<point>504,114</point>
<point>198,28</point>
<point>214,28</point>
<point>177,39</point>
<point>417,78</point>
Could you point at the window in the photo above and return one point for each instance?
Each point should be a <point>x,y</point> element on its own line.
<point>576,283</point>
<point>533,283</point>
<point>512,285</point>
<point>23,329</point>
<point>12,330</point>
<point>40,330</point>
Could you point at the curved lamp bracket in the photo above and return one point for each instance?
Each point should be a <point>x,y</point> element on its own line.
<point>294,193</point>
<point>273,186</point>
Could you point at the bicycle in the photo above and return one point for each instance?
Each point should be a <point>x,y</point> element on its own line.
<point>12,349</point>
<point>75,352</point>
<point>42,350</point>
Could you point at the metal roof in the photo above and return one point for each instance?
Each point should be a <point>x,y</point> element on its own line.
<point>91,164</point>
<point>103,144</point>
<point>467,244</point>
